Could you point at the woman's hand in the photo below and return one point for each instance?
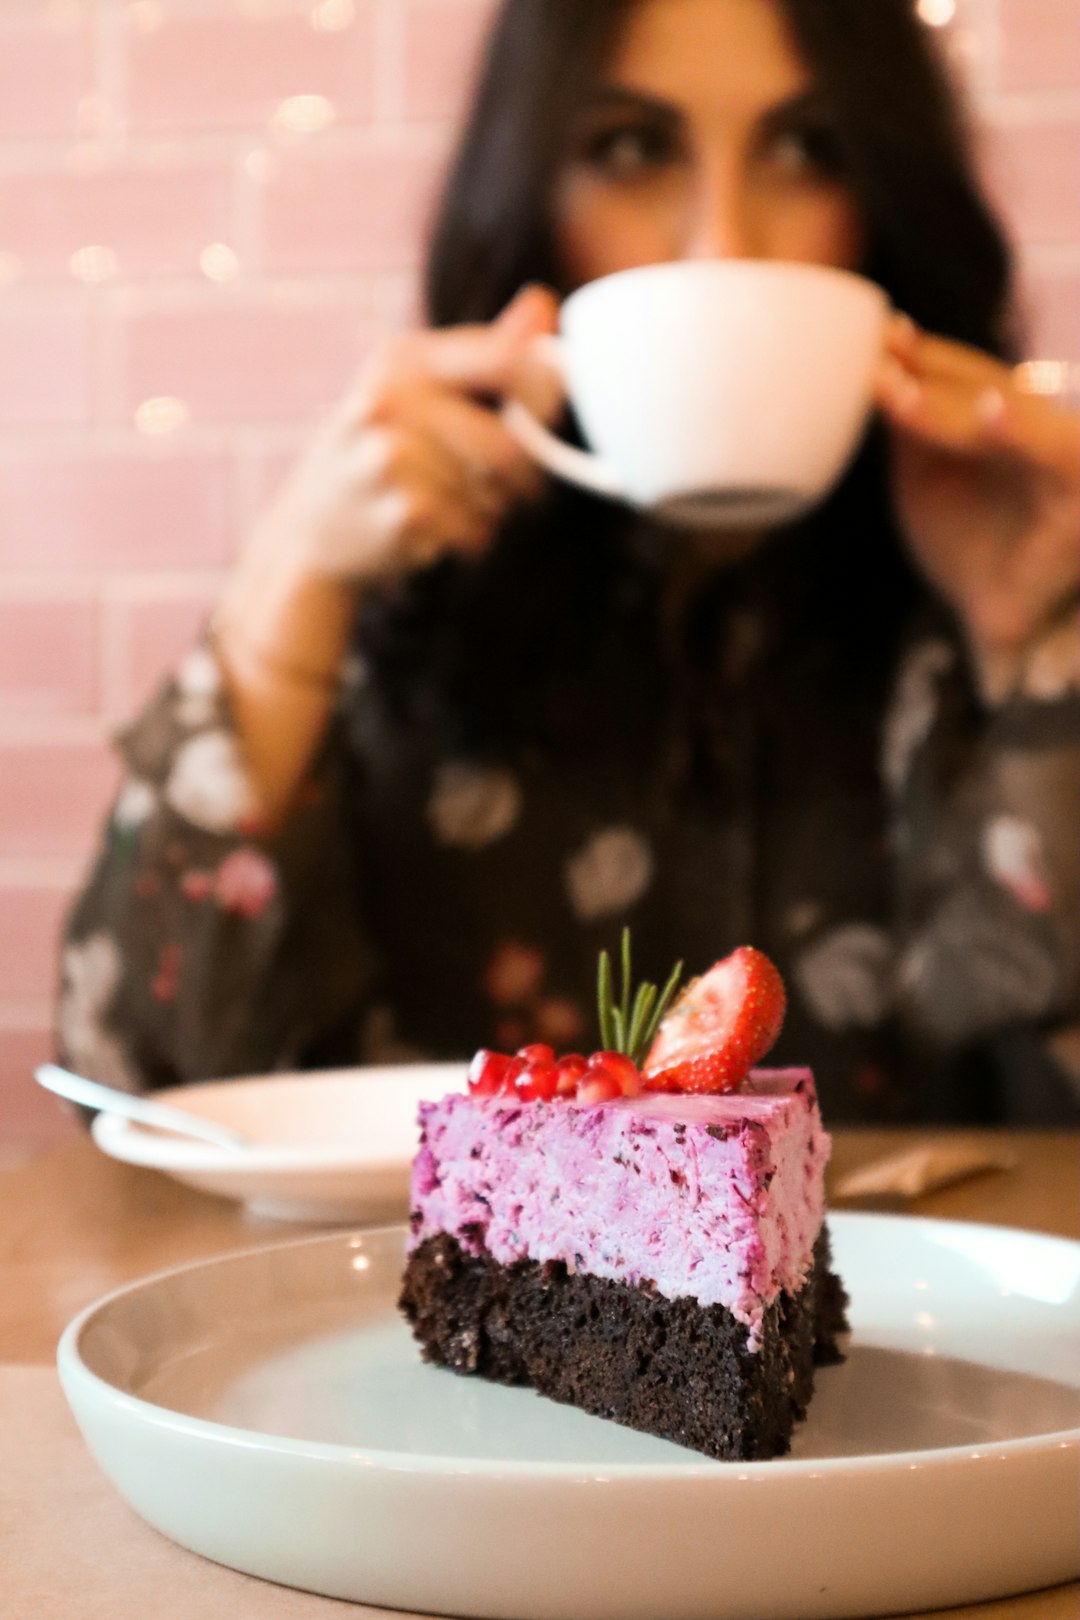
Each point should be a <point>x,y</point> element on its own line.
<point>415,462</point>
<point>987,482</point>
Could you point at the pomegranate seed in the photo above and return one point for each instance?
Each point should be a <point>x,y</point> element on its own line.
<point>537,1053</point>
<point>487,1072</point>
<point>620,1067</point>
<point>598,1087</point>
<point>538,1080</point>
<point>571,1068</point>
<point>515,1068</point>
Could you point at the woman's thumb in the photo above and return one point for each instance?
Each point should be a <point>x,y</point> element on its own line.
<point>533,312</point>
<point>533,309</point>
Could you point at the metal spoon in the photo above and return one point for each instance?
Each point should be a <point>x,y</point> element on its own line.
<point>76,1088</point>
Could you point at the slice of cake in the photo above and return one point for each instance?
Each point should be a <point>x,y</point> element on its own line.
<point>658,1258</point>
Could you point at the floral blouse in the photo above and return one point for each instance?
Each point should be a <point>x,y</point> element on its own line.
<point>908,856</point>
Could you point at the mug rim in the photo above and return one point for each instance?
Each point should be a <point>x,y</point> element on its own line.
<point>730,267</point>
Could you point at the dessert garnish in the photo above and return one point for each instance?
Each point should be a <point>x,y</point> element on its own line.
<point>629,1024</point>
<point>721,1026</point>
<point>707,1040</point>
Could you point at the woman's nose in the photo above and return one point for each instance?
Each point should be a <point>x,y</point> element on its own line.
<point>719,223</point>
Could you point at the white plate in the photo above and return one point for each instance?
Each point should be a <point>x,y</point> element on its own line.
<point>270,1411</point>
<point>333,1145</point>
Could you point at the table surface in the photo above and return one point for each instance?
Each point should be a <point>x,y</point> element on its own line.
<point>74,1225</point>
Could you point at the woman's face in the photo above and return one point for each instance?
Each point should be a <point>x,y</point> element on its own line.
<point>706,139</point>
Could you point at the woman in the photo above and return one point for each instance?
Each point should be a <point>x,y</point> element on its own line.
<point>454,728</point>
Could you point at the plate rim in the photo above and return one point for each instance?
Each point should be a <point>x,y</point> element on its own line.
<point>70,1365</point>
<point>127,1142</point>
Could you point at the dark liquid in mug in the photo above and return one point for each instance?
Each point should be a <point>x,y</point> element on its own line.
<point>730,508</point>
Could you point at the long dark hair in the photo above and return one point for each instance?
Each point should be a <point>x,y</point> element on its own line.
<point>933,244</point>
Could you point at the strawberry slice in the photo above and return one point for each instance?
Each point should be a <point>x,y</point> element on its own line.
<point>723,1023</point>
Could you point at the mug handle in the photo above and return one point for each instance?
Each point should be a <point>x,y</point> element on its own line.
<point>579,467</point>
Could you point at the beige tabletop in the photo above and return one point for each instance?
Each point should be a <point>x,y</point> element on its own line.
<point>74,1225</point>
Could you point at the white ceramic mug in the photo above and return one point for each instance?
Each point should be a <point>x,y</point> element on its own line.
<point>725,393</point>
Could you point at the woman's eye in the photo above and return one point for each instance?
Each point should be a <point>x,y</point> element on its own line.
<point>629,151</point>
<point>812,151</point>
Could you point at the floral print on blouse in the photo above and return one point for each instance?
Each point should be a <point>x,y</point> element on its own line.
<point>909,858</point>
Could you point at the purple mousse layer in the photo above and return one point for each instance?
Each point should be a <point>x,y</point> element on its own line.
<point>719,1199</point>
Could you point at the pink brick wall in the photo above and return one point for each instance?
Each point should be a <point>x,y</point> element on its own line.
<point>217,202</point>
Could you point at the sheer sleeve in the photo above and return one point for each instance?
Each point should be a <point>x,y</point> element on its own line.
<point>987,842</point>
<point>200,946</point>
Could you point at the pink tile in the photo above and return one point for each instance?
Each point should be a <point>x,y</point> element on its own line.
<point>401,303</point>
<point>443,41</point>
<point>148,510</point>
<point>148,638</point>
<point>232,66</point>
<point>237,361</point>
<point>30,923</point>
<point>45,69</point>
<point>1040,45</point>
<point>44,364</point>
<point>29,1117</point>
<point>48,656</point>
<point>1054,314</point>
<point>151,217</point>
<point>1035,171</point>
<point>364,211</point>
<point>54,798</point>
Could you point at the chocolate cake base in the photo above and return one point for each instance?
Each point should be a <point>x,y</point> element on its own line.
<point>669,1367</point>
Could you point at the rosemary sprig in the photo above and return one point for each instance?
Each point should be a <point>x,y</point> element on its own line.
<point>603,996</point>
<point>630,1024</point>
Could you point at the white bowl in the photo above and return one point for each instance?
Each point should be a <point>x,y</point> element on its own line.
<point>332,1145</point>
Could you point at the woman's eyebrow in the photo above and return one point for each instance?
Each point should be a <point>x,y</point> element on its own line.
<point>622,99</point>
<point>809,104</point>
<point>802,105</point>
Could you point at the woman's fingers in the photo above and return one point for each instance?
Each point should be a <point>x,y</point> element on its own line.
<point>940,390</point>
<point>971,415</point>
<point>412,503</point>
<point>478,360</point>
<point>967,401</point>
<point>441,383</point>
<point>468,446</point>
<point>492,461</point>
<point>420,523</point>
<point>927,356</point>
<point>949,415</point>
<point>416,459</point>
